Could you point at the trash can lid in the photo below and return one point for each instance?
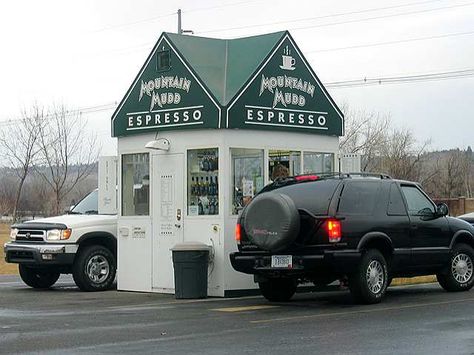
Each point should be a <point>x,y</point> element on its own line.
<point>190,246</point>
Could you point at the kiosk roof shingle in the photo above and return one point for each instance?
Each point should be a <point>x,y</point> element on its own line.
<point>225,65</point>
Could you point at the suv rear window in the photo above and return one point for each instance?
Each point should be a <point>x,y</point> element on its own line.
<point>313,196</point>
<point>359,197</point>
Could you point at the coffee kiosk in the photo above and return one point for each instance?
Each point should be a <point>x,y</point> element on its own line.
<point>204,126</point>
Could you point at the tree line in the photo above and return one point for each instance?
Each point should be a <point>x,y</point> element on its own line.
<point>395,151</point>
<point>48,160</point>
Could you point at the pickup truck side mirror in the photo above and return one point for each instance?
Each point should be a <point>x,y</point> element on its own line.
<point>442,209</point>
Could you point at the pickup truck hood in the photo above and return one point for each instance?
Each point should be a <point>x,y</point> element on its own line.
<point>79,220</point>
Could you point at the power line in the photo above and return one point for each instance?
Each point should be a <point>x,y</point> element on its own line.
<point>402,79</point>
<point>151,19</point>
<point>80,111</point>
<point>392,42</point>
<point>341,22</point>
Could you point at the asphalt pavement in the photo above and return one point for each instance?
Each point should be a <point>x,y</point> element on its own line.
<point>417,319</point>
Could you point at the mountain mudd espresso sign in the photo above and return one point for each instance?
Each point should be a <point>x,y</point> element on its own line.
<point>165,95</point>
<point>285,94</point>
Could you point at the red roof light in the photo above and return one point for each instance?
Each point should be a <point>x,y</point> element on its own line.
<point>307,178</point>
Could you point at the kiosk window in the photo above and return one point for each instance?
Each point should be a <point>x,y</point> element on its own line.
<point>163,61</point>
<point>283,163</point>
<point>318,162</point>
<point>203,182</point>
<point>247,176</point>
<point>135,184</point>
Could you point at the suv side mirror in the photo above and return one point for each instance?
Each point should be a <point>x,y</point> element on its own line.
<point>442,209</point>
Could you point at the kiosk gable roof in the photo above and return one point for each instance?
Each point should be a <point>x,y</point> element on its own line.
<point>224,65</point>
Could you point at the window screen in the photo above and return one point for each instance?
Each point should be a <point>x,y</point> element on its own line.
<point>163,61</point>
<point>359,197</point>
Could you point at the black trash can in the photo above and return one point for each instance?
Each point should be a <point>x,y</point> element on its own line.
<point>190,262</point>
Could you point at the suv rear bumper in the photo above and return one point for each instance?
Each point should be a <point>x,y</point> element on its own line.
<point>259,263</point>
<point>42,254</point>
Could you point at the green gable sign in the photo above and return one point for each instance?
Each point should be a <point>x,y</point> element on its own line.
<point>285,94</point>
<point>261,82</point>
<point>165,95</point>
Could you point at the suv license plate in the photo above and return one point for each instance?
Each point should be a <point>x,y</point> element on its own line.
<point>282,261</point>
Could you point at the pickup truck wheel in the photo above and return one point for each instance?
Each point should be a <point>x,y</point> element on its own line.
<point>459,275</point>
<point>369,283</point>
<point>37,278</point>
<point>278,290</point>
<point>94,268</point>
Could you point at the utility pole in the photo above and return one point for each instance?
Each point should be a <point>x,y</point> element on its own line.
<point>180,29</point>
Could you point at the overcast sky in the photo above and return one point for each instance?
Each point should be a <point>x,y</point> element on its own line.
<point>86,53</point>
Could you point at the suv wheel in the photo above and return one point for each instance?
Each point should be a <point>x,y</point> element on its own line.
<point>278,290</point>
<point>94,268</point>
<point>37,278</point>
<point>369,283</point>
<point>458,276</point>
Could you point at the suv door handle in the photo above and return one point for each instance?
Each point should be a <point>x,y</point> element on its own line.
<point>414,227</point>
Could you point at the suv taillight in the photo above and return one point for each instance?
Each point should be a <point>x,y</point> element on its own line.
<point>238,232</point>
<point>333,227</point>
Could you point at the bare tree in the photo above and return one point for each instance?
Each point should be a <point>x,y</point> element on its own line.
<point>18,142</point>
<point>67,153</point>
<point>365,134</point>
<point>402,155</point>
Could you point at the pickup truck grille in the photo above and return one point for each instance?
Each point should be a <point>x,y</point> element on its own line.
<point>31,235</point>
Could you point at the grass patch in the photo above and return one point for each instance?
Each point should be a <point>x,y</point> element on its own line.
<point>414,280</point>
<point>5,268</point>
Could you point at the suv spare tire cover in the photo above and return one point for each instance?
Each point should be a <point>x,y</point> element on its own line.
<point>272,221</point>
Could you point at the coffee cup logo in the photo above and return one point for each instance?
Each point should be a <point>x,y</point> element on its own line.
<point>288,61</point>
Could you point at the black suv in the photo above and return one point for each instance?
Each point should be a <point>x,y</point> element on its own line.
<point>364,228</point>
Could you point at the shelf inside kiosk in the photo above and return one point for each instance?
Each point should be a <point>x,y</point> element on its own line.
<point>203,182</point>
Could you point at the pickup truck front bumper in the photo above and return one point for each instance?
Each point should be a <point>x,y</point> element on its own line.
<point>259,263</point>
<point>41,254</point>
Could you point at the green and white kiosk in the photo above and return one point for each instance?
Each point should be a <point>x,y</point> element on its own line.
<point>204,126</point>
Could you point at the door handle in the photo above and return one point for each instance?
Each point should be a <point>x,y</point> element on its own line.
<point>414,227</point>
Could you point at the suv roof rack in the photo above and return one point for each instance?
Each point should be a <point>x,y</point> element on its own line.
<point>289,180</point>
<point>364,174</point>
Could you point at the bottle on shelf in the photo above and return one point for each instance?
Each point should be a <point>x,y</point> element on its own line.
<point>200,207</point>
<point>207,186</point>
<point>202,187</point>
<point>193,187</point>
<point>216,187</point>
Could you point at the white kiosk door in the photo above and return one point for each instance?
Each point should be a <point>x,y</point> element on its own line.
<point>167,217</point>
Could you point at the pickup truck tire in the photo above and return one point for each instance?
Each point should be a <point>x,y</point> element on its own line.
<point>94,268</point>
<point>272,221</point>
<point>459,274</point>
<point>37,278</point>
<point>278,290</point>
<point>369,283</point>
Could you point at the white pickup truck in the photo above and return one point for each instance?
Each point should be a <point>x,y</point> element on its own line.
<point>81,242</point>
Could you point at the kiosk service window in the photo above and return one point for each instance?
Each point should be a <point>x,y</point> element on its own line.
<point>247,169</point>
<point>135,184</point>
<point>247,176</point>
<point>203,182</point>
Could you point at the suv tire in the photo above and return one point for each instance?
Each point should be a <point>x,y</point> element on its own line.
<point>459,274</point>
<point>37,278</point>
<point>369,283</point>
<point>272,221</point>
<point>278,290</point>
<point>94,268</point>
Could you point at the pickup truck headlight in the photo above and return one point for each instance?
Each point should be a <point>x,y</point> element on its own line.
<point>13,233</point>
<point>58,234</point>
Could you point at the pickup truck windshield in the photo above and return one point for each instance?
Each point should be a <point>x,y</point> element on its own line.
<point>88,205</point>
